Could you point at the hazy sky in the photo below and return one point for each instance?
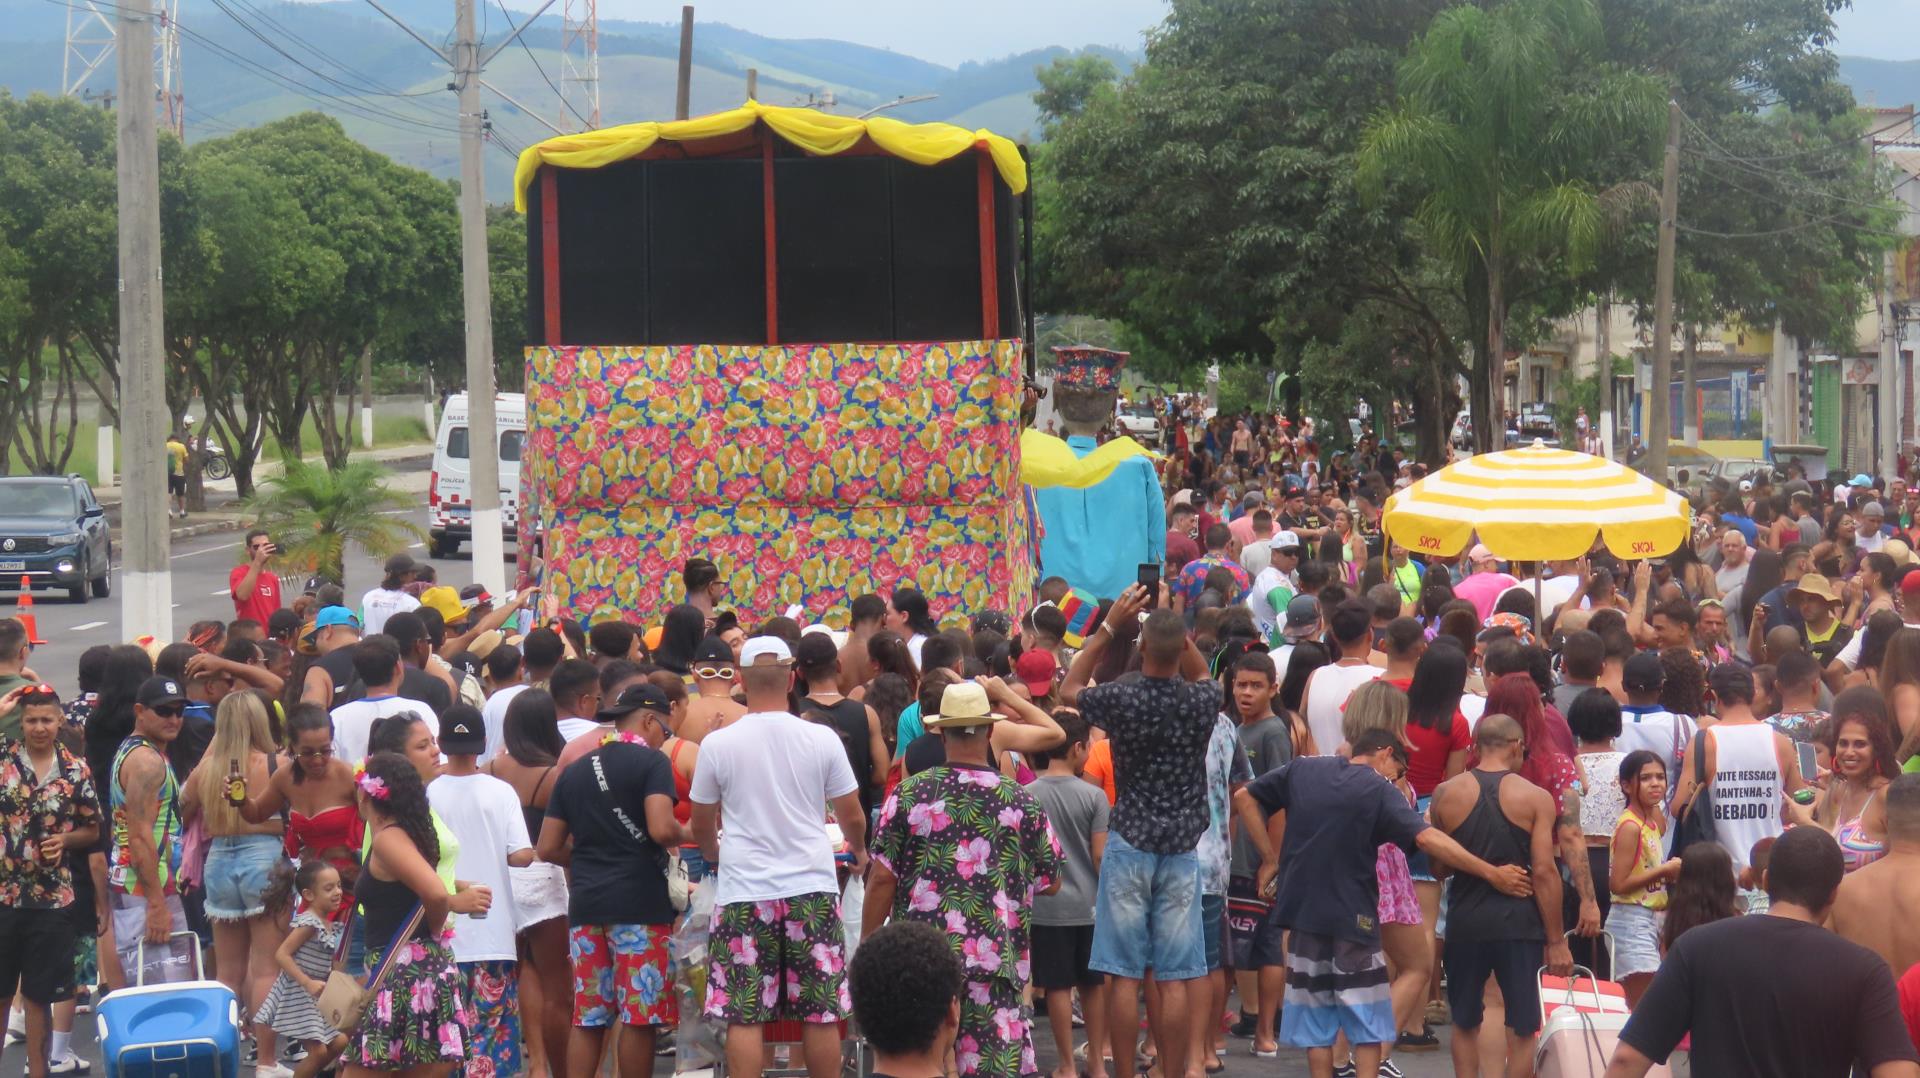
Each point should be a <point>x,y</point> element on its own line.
<point>953,31</point>
<point>1885,29</point>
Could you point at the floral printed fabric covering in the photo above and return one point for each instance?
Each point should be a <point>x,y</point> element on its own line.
<point>808,473</point>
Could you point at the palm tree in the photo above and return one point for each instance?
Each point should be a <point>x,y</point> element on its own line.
<point>1507,123</point>
<point>314,512</point>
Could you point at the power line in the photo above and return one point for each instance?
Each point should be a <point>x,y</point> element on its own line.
<point>357,109</point>
<point>584,122</point>
<point>1802,152</point>
<point>376,88</point>
<point>303,65</point>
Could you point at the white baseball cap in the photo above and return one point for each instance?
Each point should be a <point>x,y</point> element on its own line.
<point>765,649</point>
<point>1283,540</point>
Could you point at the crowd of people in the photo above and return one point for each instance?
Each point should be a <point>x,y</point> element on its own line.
<point>1305,789</point>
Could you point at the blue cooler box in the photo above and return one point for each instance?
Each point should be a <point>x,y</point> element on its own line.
<point>185,1030</point>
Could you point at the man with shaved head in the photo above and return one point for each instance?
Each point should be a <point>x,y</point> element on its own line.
<point>1503,819</point>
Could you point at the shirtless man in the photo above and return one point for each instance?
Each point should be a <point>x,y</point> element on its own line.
<point>715,673</point>
<point>1879,904</point>
<point>868,616</point>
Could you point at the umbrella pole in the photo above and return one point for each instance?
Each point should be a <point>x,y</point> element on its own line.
<point>1539,615</point>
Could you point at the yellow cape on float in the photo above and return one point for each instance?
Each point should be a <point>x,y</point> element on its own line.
<point>1047,461</point>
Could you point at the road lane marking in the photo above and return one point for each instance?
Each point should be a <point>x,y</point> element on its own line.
<point>83,628</point>
<point>223,591</point>
<point>197,553</point>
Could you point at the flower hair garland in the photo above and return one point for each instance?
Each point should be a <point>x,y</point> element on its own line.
<point>371,785</point>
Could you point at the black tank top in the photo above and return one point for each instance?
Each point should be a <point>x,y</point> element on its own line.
<point>385,906</point>
<point>849,719</point>
<point>1475,911</point>
<point>536,816</point>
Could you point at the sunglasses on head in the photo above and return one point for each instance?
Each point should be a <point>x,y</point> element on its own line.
<point>40,689</point>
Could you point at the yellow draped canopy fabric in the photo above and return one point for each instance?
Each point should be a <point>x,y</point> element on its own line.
<point>1537,504</point>
<point>1047,461</point>
<point>815,132</point>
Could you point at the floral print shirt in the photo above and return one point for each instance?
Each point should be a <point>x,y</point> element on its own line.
<point>1193,579</point>
<point>970,849</point>
<point>31,810</point>
<point>1159,728</point>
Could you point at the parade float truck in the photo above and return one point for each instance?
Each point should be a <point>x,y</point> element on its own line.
<point>784,340</point>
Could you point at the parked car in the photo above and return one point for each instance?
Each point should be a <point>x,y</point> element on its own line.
<point>53,532</point>
<point>1139,421</point>
<point>1533,422</point>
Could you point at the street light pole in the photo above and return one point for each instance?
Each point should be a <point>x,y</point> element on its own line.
<point>1658,422</point>
<point>896,103</point>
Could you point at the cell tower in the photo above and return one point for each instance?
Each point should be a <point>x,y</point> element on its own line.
<point>90,42</point>
<point>579,63</point>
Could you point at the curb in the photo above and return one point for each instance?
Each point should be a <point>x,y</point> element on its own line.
<point>188,531</point>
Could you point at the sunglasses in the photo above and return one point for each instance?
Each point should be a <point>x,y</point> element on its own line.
<point>711,672</point>
<point>41,689</point>
<point>168,711</point>
<point>314,754</point>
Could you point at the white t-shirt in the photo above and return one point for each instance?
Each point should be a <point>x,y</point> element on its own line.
<point>494,714</point>
<point>571,728</point>
<point>914,644</point>
<point>484,814</point>
<point>1660,732</point>
<point>380,604</point>
<point>772,775</point>
<point>1266,617</point>
<point>1327,692</point>
<point>1472,708</point>
<point>353,722</point>
<point>1870,541</point>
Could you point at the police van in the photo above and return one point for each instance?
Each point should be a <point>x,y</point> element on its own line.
<point>450,490</point>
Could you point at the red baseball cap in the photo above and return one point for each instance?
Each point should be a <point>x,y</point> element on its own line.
<point>1035,669</point>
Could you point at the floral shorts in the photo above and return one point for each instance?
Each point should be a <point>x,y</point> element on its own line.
<point>494,990</point>
<point>996,1029</point>
<point>624,970</point>
<point>779,958</point>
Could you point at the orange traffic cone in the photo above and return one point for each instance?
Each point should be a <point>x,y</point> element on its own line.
<point>25,613</point>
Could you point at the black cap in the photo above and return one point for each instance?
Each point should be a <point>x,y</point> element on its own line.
<point>634,697</point>
<point>816,650</point>
<point>159,692</point>
<point>1643,673</point>
<point>714,650</point>
<point>462,731</point>
<point>401,563</point>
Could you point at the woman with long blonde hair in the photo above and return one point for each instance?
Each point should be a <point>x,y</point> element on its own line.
<point>241,856</point>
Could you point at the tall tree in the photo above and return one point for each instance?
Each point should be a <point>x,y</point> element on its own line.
<point>1499,116</point>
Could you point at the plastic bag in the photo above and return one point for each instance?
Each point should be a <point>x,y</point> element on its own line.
<point>698,1045</point>
<point>853,905</point>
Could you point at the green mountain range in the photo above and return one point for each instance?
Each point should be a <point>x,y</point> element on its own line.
<point>247,62</point>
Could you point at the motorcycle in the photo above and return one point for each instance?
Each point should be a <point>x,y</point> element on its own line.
<point>213,456</point>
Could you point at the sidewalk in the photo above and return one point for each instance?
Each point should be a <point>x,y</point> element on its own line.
<point>224,514</point>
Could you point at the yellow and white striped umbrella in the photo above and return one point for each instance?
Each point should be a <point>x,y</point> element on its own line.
<point>1538,504</point>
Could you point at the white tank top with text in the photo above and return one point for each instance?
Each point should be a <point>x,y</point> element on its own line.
<point>1747,785</point>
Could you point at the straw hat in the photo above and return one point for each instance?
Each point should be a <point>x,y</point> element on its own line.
<point>1815,586</point>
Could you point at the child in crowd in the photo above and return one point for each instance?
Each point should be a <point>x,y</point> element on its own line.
<point>1063,921</point>
<point>305,958</point>
<point>1638,875</point>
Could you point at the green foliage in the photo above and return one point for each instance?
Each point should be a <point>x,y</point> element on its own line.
<point>1068,84</point>
<point>315,512</point>
<point>1505,130</point>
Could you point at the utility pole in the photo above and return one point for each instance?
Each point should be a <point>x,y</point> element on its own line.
<point>1658,421</point>
<point>1886,449</point>
<point>483,442</point>
<point>1690,386</point>
<point>489,547</point>
<point>146,584</point>
<point>1603,357</point>
<point>366,397</point>
<point>683,90</point>
<point>753,84</point>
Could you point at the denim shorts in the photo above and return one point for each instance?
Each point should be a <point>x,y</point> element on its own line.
<point>1148,914</point>
<point>1419,865</point>
<point>238,867</point>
